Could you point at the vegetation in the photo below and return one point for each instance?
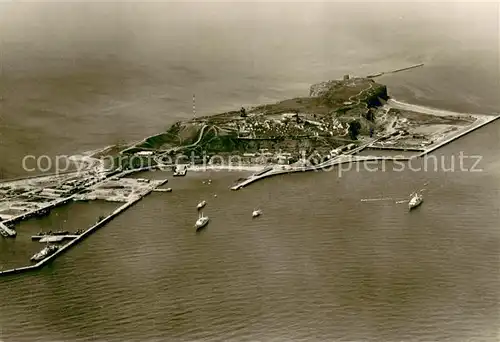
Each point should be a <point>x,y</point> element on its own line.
<point>262,127</point>
<point>354,129</point>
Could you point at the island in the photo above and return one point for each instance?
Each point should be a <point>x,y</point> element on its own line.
<point>334,124</point>
<point>337,117</point>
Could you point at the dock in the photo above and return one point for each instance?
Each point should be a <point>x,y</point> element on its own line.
<point>39,210</point>
<point>6,231</point>
<point>396,148</point>
<point>80,237</point>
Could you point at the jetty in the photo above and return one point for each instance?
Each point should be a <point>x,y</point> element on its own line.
<point>6,231</point>
<point>396,148</point>
<point>163,190</point>
<point>397,70</point>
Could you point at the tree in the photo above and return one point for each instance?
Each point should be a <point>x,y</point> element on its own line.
<point>370,115</point>
<point>354,128</point>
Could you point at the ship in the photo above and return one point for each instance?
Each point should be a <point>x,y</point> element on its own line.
<point>415,200</point>
<point>201,205</point>
<point>201,222</point>
<point>44,253</point>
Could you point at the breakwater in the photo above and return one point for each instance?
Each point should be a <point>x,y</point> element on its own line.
<point>432,148</point>
<point>80,237</point>
<point>397,70</point>
<point>407,68</point>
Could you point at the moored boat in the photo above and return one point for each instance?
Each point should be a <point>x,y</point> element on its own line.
<point>44,253</point>
<point>201,205</point>
<point>201,222</point>
<point>415,200</point>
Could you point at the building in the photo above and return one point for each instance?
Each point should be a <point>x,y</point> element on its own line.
<point>283,160</point>
<point>244,134</point>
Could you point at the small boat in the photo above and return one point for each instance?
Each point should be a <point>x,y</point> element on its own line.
<point>201,222</point>
<point>256,213</point>
<point>415,200</point>
<point>60,232</point>
<point>168,190</point>
<point>44,253</point>
<point>201,205</point>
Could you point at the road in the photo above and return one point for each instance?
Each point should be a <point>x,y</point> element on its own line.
<point>158,159</point>
<point>359,94</point>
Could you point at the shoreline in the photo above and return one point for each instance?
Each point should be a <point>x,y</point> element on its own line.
<point>232,168</point>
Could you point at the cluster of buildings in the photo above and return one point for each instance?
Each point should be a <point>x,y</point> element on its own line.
<point>26,198</point>
<point>290,125</point>
<point>266,157</point>
<point>118,190</point>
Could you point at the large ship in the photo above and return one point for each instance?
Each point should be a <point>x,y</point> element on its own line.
<point>44,253</point>
<point>415,200</point>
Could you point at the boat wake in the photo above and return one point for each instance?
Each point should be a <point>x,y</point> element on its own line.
<point>376,199</point>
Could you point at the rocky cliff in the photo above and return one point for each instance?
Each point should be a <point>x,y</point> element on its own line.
<point>350,92</point>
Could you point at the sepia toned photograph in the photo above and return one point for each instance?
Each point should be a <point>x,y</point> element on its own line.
<point>279,171</point>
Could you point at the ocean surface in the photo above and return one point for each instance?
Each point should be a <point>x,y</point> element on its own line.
<point>319,264</point>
